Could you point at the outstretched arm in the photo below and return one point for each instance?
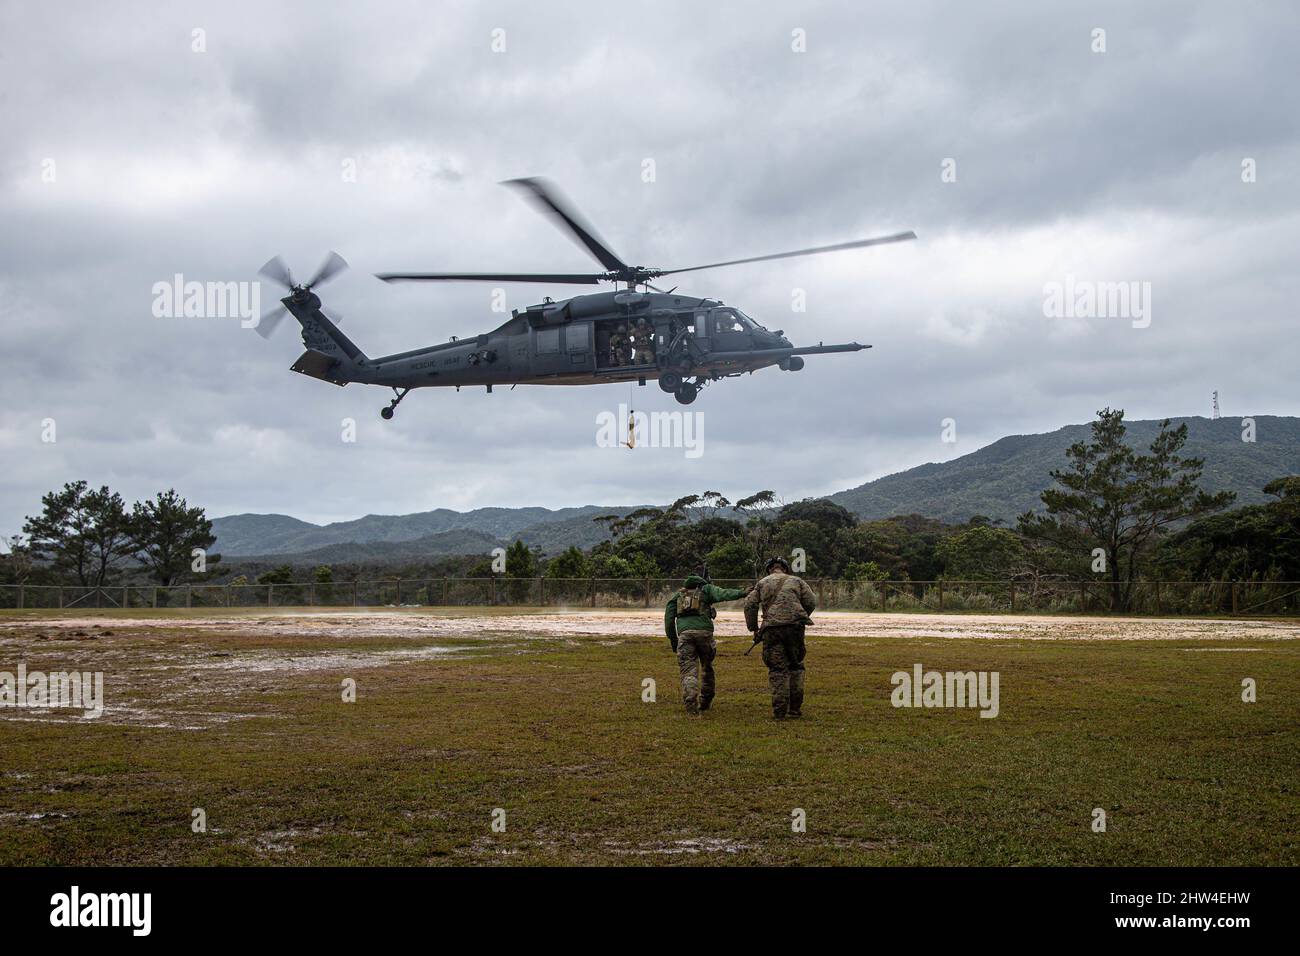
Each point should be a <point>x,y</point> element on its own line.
<point>717,595</point>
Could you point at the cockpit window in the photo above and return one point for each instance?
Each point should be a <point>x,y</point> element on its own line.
<point>727,320</point>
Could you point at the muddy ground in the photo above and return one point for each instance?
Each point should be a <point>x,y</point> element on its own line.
<point>422,623</point>
<point>544,714</point>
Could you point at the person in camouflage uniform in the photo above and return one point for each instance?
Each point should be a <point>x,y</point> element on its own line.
<point>620,346</point>
<point>643,339</point>
<point>787,602</point>
<point>688,622</point>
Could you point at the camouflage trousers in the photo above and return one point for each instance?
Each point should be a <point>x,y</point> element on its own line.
<point>783,652</point>
<point>695,653</point>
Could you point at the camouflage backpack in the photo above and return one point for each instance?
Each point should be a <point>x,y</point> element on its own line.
<point>690,601</point>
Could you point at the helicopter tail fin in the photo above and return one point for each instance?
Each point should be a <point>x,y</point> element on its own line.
<point>322,335</point>
<point>319,365</point>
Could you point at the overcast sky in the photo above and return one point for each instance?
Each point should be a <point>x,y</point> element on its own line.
<point>128,156</point>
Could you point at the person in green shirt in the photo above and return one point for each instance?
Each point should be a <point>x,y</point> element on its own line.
<point>688,622</point>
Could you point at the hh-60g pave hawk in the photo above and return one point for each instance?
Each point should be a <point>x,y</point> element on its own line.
<point>623,335</point>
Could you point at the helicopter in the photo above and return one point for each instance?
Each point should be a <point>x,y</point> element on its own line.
<point>630,334</point>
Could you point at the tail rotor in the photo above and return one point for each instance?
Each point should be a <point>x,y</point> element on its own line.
<point>276,271</point>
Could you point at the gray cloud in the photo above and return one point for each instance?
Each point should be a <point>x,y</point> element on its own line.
<point>1118,166</point>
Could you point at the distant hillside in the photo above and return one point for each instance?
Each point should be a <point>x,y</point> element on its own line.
<point>1005,478</point>
<point>250,535</point>
<point>1001,480</point>
<point>554,536</point>
<point>440,545</point>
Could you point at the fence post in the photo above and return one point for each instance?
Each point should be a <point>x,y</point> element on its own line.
<point>1083,595</point>
<point>1013,596</point>
<point>492,594</point>
<point>647,591</point>
<point>592,589</point>
<point>940,595</point>
<point>125,597</point>
<point>20,597</point>
<point>399,592</point>
<point>270,590</point>
<point>99,596</point>
<point>154,599</point>
<point>541,590</point>
<point>1234,597</point>
<point>1159,608</point>
<point>444,590</point>
<point>189,595</point>
<point>60,596</point>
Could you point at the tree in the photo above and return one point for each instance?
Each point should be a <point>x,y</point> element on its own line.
<point>631,566</point>
<point>290,592</point>
<point>81,532</point>
<point>323,575</point>
<point>16,562</point>
<point>570,564</point>
<point>521,565</point>
<point>982,553</point>
<point>822,512</point>
<point>282,574</point>
<point>759,509</point>
<point>520,562</point>
<point>1254,542</point>
<point>165,532</point>
<point>731,560</point>
<point>1112,498</point>
<point>865,571</point>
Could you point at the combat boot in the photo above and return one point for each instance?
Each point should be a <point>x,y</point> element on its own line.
<point>796,693</point>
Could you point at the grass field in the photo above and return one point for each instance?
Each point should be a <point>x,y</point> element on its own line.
<point>460,712</point>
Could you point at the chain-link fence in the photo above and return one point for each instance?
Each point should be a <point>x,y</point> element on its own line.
<point>1266,598</point>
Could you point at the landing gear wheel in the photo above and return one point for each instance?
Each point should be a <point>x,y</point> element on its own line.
<point>387,413</point>
<point>686,393</point>
<point>670,381</point>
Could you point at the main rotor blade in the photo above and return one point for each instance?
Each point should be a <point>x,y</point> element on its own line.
<point>856,244</point>
<point>562,278</point>
<point>277,271</point>
<point>268,323</point>
<point>552,202</point>
<point>332,266</point>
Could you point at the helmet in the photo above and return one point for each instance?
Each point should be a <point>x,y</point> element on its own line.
<point>778,560</point>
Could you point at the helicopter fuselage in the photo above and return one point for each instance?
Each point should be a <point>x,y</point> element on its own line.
<point>573,342</point>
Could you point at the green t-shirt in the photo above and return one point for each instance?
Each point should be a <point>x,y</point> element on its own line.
<point>701,621</point>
